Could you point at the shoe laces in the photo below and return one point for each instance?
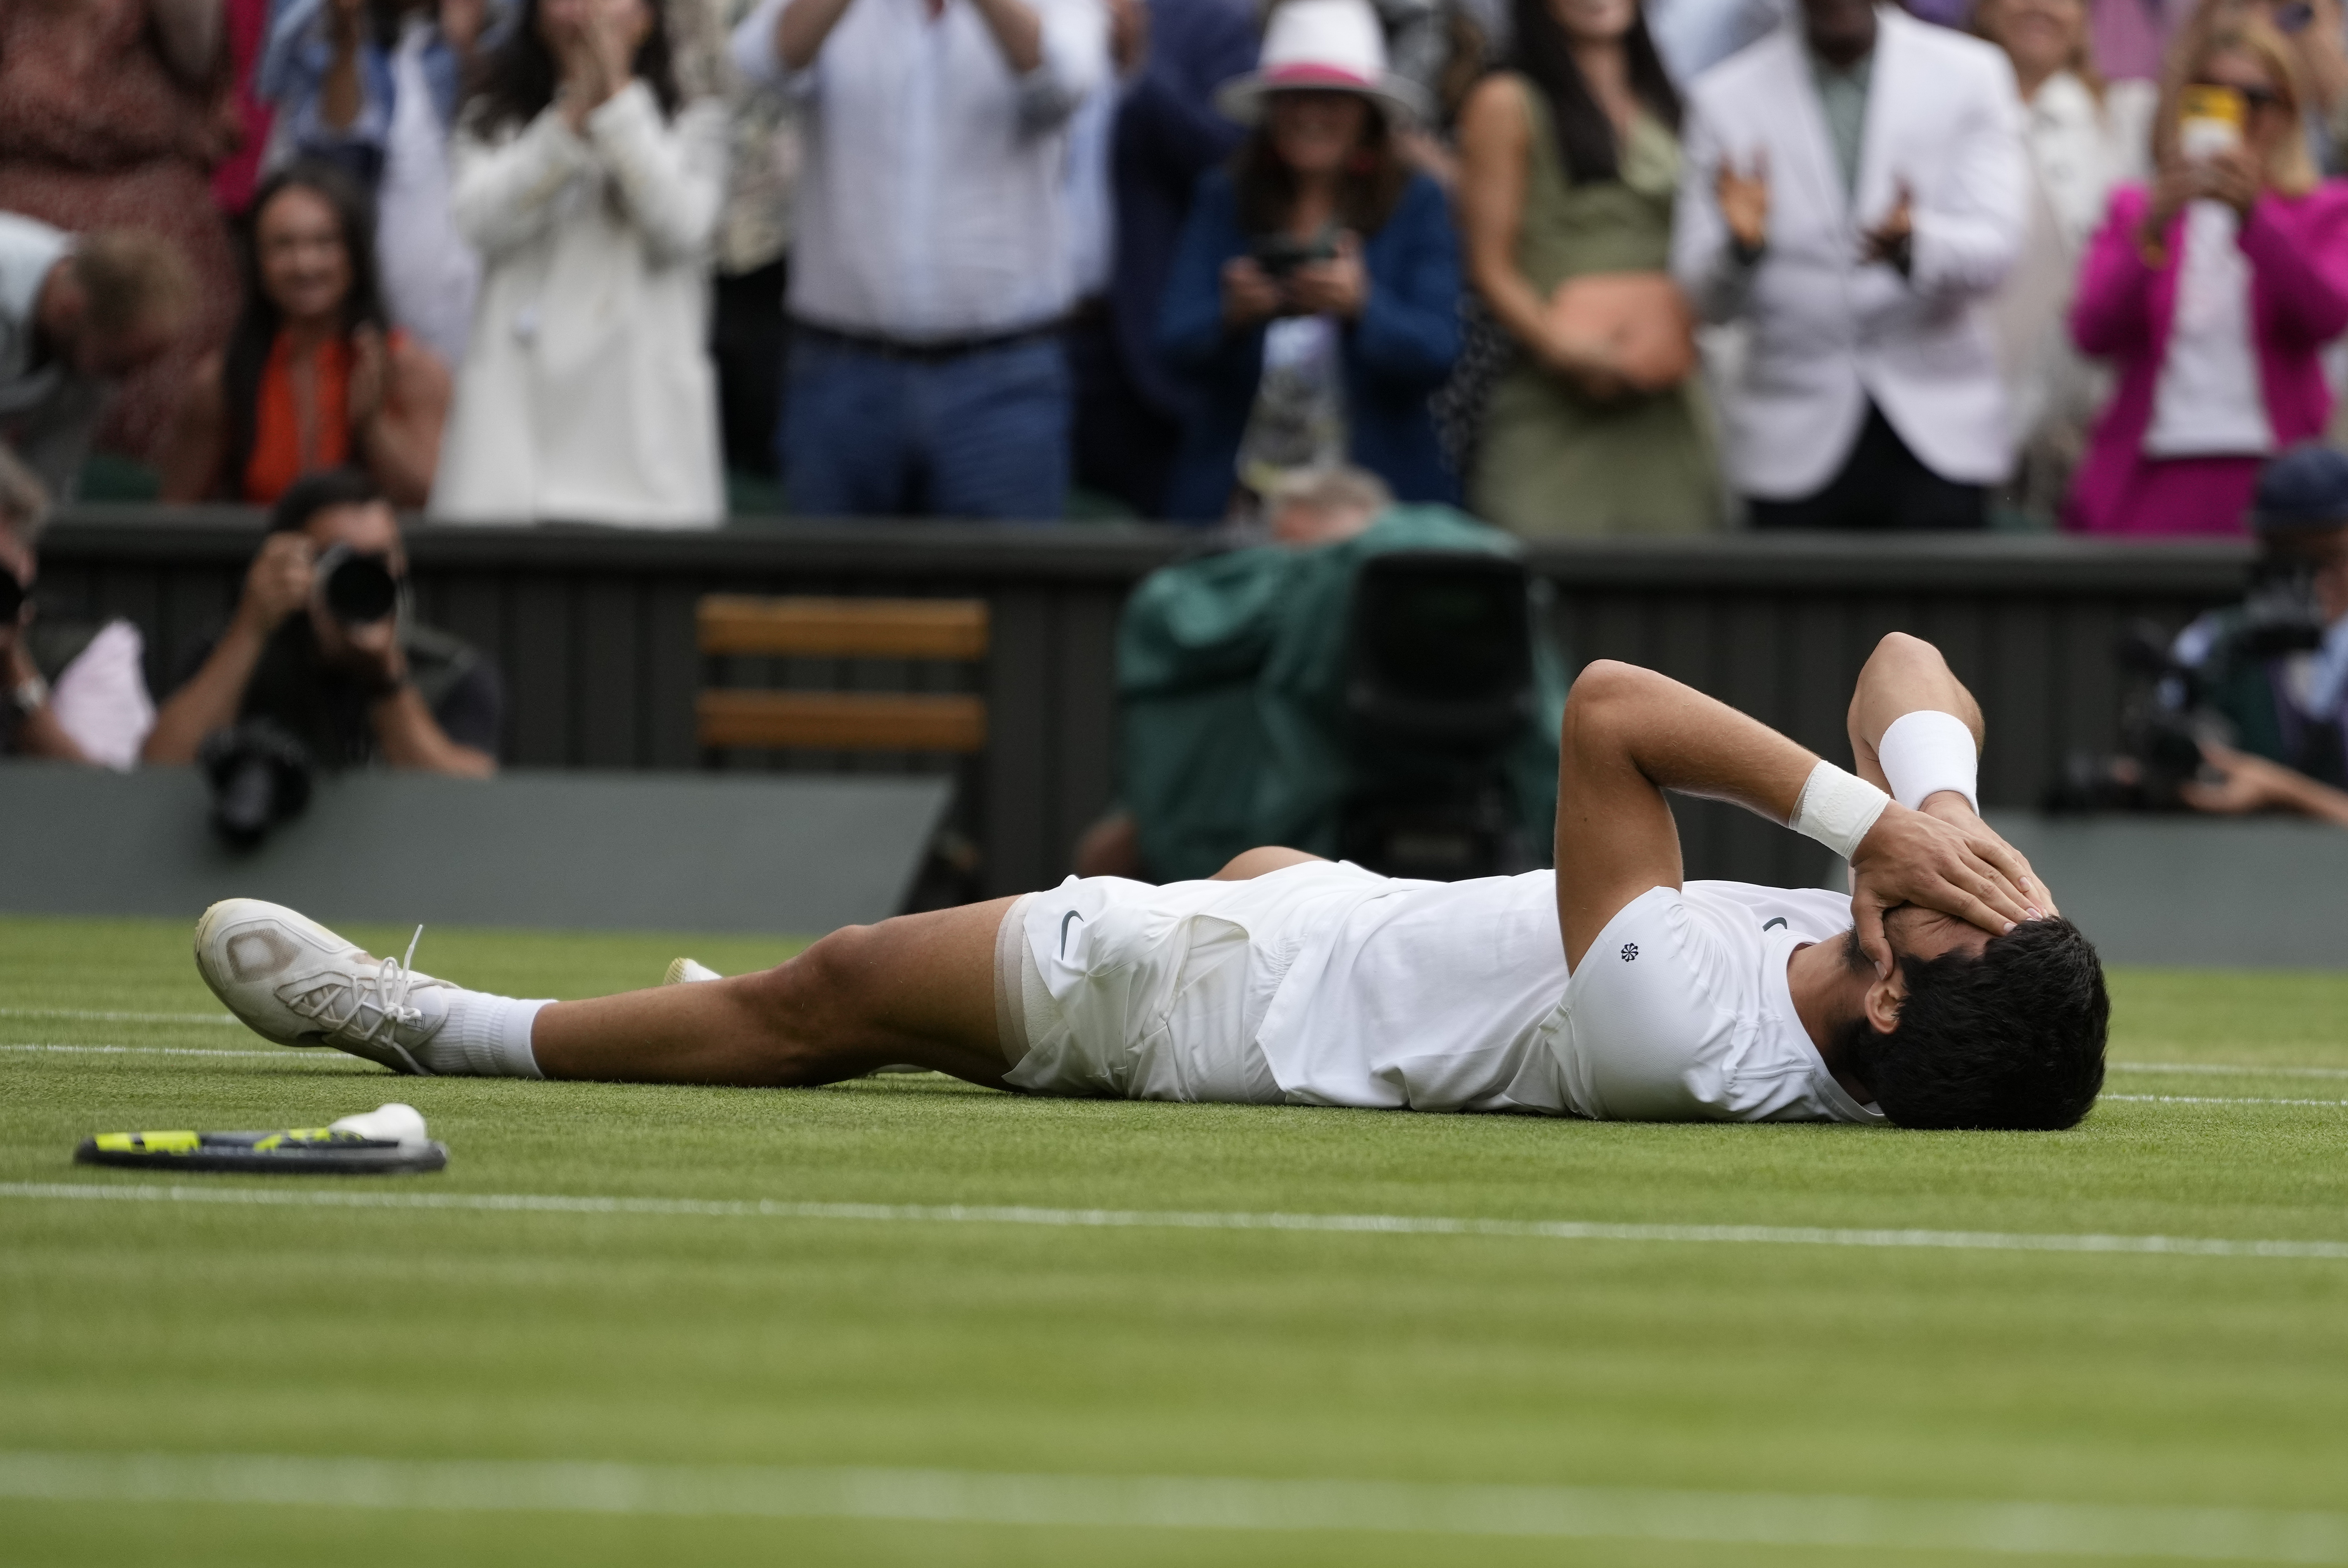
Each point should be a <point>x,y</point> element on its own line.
<point>383,991</point>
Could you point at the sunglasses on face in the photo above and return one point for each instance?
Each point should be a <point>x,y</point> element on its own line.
<point>2256,97</point>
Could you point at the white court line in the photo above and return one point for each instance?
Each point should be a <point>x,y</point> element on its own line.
<point>2214,1099</point>
<point>1195,1502</point>
<point>281,1054</point>
<point>2226,1069</point>
<point>118,1018</point>
<point>1176,1220</point>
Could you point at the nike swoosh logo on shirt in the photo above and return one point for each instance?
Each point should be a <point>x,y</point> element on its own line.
<point>1766,926</point>
<point>1071,915</point>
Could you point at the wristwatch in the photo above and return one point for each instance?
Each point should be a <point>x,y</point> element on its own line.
<point>30,695</point>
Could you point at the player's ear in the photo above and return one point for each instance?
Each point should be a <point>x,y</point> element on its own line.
<point>1883,1000</point>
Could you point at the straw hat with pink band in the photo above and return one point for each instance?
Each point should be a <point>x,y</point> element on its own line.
<point>1326,45</point>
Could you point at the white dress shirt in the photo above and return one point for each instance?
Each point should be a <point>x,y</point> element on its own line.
<point>932,205</point>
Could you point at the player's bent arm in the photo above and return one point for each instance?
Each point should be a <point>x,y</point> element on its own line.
<point>1905,675</point>
<point>1631,734</point>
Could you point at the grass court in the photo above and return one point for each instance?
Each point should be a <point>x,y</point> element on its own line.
<point>1782,1345</point>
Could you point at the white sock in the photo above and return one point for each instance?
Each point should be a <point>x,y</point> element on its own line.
<point>484,1036</point>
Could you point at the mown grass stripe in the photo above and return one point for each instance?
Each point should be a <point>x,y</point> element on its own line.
<point>107,1017</point>
<point>2214,1099</point>
<point>1094,1502</point>
<point>280,1053</point>
<point>2229,1069</point>
<point>1173,1218</point>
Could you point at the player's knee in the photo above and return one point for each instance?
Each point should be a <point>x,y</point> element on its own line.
<point>823,987</point>
<point>1249,865</point>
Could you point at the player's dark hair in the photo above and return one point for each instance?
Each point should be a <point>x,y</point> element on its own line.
<point>313,494</point>
<point>2011,1039</point>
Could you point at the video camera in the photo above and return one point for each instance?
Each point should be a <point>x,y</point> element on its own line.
<point>2165,709</point>
<point>1440,686</point>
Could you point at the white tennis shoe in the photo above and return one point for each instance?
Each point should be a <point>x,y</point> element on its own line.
<point>292,981</point>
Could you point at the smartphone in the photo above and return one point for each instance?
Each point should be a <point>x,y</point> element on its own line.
<point>2210,121</point>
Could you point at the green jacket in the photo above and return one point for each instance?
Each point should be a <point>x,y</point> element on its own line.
<point>1231,680</point>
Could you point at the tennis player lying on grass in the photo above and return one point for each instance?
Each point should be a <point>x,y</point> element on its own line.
<point>1944,992</point>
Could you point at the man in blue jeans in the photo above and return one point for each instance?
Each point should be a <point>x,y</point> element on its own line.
<point>930,276</point>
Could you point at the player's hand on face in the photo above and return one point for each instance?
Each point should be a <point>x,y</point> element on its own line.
<point>278,581</point>
<point>1911,857</point>
<point>1950,807</point>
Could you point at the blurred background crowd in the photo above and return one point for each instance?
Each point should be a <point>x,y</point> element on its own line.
<point>1575,267</point>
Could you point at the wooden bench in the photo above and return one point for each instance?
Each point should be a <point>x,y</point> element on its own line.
<point>939,629</point>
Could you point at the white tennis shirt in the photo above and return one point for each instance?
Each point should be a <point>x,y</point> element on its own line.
<point>1455,997</point>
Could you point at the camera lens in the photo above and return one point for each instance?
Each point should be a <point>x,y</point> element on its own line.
<point>361,590</point>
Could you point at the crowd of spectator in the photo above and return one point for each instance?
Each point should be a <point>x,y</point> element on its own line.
<point>1580,266</point>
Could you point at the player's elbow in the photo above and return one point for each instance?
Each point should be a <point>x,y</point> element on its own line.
<point>1898,653</point>
<point>1606,686</point>
<point>1604,695</point>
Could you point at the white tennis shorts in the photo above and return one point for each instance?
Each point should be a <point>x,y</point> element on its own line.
<point>1106,987</point>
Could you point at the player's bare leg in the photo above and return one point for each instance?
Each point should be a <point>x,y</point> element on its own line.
<point>918,988</point>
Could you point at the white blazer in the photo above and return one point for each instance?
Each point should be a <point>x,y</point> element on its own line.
<point>1828,333</point>
<point>586,394</point>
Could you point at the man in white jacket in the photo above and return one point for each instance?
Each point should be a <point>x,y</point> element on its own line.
<point>1854,190</point>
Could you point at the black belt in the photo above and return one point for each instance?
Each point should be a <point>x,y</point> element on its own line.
<point>927,350</point>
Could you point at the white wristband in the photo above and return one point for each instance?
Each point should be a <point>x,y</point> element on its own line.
<point>1837,808</point>
<point>1926,752</point>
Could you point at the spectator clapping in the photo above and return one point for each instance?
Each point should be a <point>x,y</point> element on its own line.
<point>592,189</point>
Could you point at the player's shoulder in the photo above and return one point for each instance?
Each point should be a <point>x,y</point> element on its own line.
<point>1810,912</point>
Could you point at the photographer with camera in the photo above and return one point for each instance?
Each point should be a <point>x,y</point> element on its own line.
<point>2272,671</point>
<point>322,665</point>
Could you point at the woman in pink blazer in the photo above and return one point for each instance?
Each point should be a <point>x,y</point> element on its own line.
<point>2212,293</point>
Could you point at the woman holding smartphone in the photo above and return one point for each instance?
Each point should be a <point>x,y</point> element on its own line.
<point>1313,304</point>
<point>2213,294</point>
<point>590,191</point>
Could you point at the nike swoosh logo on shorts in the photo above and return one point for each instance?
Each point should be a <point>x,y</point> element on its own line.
<point>1071,915</point>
